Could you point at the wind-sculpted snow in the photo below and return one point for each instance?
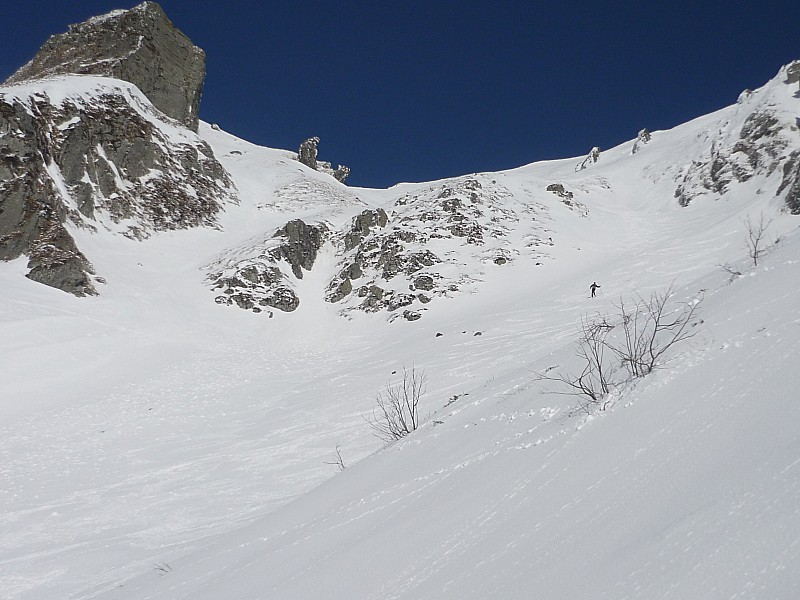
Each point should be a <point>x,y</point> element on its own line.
<point>304,194</point>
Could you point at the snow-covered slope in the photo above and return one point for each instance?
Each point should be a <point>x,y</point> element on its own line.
<point>157,444</point>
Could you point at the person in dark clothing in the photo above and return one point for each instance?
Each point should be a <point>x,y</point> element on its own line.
<point>593,287</point>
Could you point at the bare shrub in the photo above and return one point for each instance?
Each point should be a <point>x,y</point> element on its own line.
<point>734,273</point>
<point>594,382</point>
<point>649,330</point>
<point>756,237</point>
<point>396,413</point>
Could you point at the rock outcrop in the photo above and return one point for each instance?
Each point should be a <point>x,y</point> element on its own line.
<point>793,72</point>
<point>140,46</point>
<point>791,182</point>
<point>437,242</point>
<point>84,143</point>
<point>765,144</point>
<point>759,147</point>
<point>591,158</point>
<point>95,156</point>
<point>260,277</point>
<point>307,154</point>
<point>641,139</point>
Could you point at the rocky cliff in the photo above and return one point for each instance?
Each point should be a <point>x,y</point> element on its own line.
<point>93,153</point>
<point>140,46</point>
<point>84,152</point>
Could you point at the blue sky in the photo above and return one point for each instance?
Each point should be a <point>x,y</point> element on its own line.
<point>415,91</point>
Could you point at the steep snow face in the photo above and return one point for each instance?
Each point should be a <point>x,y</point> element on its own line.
<point>156,444</point>
<point>685,487</point>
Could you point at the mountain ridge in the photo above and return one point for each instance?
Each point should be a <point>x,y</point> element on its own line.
<point>156,443</point>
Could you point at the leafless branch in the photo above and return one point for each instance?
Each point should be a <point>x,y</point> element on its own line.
<point>338,461</point>
<point>396,413</point>
<point>756,242</point>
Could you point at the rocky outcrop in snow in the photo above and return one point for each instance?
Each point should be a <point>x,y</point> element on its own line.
<point>758,148</point>
<point>642,138</point>
<point>791,182</point>
<point>793,72</point>
<point>140,46</point>
<point>307,154</point>
<point>94,153</point>
<point>435,243</point>
<point>591,158</point>
<point>261,276</point>
<point>760,141</point>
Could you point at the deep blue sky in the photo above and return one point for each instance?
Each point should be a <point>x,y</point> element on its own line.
<point>420,90</point>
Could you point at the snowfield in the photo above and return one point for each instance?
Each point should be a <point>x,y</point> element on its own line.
<point>157,445</point>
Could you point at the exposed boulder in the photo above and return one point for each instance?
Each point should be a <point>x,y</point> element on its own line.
<point>140,46</point>
<point>307,154</point>
<point>362,225</point>
<point>567,197</point>
<point>301,242</point>
<point>559,190</point>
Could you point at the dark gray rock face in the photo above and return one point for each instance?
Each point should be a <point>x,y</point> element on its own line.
<point>32,222</point>
<point>140,46</point>
<point>96,159</point>
<point>260,281</point>
<point>300,246</point>
<point>791,182</point>
<point>307,154</point>
<point>362,225</point>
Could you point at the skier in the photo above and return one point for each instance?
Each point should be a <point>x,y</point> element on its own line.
<point>593,287</point>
